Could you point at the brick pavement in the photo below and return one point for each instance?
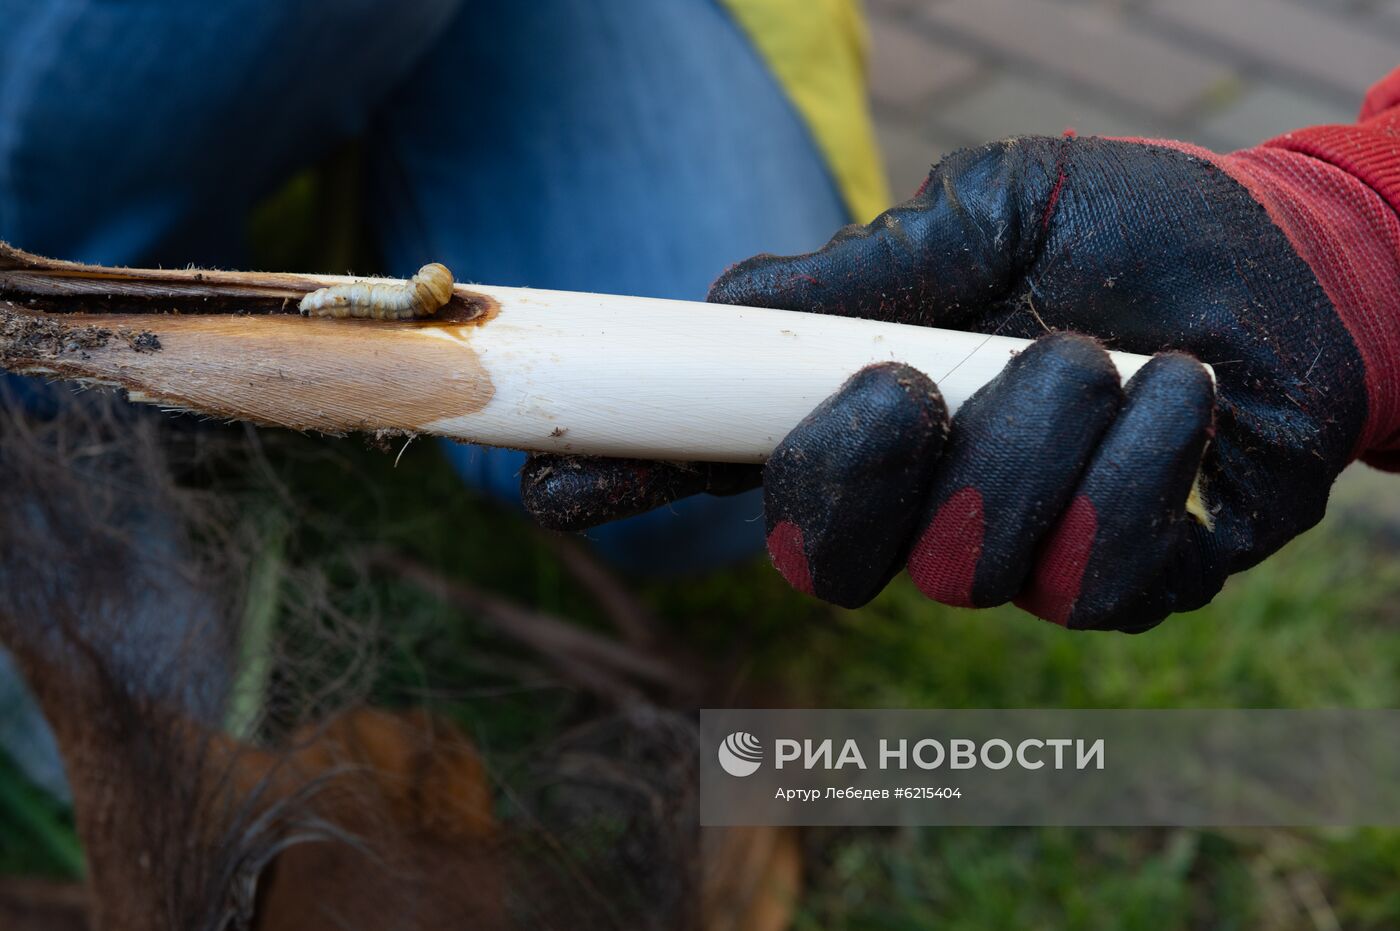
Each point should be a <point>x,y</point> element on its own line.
<point>1224,73</point>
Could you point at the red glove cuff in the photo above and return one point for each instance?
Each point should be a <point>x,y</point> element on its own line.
<point>1335,192</point>
<point>1340,205</point>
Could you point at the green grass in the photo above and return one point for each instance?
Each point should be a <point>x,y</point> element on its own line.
<point>36,832</point>
<point>1003,878</point>
<point>1315,626</point>
<point>978,879</point>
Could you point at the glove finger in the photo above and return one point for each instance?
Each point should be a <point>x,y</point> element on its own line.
<point>1108,563</point>
<point>574,493</point>
<point>941,259</point>
<point>1015,454</point>
<point>844,490</point>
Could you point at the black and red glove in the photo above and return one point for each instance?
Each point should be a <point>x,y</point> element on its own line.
<point>1087,502</point>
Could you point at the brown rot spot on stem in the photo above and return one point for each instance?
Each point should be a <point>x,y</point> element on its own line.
<point>330,376</point>
<point>466,307</point>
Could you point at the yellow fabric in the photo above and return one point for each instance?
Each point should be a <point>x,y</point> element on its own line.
<point>817,50</point>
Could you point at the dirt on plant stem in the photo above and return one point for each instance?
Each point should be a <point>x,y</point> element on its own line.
<point>27,338</point>
<point>23,336</point>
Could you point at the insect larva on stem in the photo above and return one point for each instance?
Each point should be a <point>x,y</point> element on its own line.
<point>420,296</point>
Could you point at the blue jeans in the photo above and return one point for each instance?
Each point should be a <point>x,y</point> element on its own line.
<point>625,146</point>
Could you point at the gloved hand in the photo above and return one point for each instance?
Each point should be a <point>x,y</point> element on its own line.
<point>1089,503</point>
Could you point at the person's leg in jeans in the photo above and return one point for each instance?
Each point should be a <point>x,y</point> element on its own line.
<point>143,133</point>
<point>619,146</point>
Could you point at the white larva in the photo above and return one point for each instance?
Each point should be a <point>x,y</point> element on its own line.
<point>420,296</point>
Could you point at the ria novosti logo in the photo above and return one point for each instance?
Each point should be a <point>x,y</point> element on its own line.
<point>740,754</point>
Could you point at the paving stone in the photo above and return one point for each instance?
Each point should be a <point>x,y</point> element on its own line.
<point>1265,111</point>
<point>909,154</point>
<point>907,67</point>
<point>1108,6</point>
<point>1095,45</point>
<point>876,9</point>
<point>1386,15</point>
<point>1011,105</point>
<point>1335,7</point>
<point>1309,41</point>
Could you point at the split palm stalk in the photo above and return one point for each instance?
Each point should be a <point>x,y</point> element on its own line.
<point>549,371</point>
